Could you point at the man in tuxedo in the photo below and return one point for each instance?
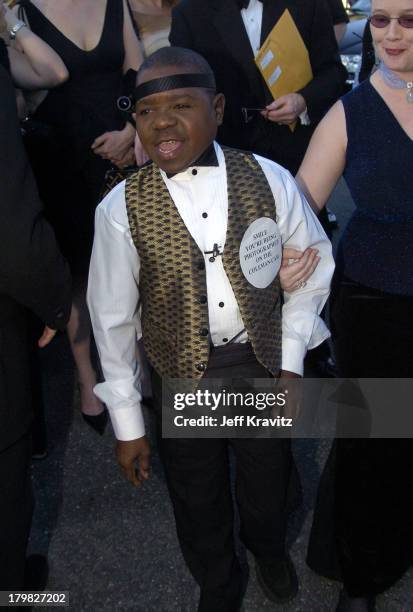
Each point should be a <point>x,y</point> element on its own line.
<point>229,34</point>
<point>35,277</point>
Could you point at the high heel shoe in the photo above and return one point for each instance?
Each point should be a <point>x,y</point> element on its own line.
<point>97,422</point>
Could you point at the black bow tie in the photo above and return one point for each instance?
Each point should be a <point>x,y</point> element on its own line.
<point>243,4</point>
<point>207,158</point>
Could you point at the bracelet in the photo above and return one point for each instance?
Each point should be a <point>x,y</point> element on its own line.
<point>16,28</point>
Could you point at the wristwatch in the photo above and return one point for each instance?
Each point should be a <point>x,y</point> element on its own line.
<point>16,28</point>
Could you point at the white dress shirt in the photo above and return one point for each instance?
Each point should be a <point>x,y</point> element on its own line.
<point>252,18</point>
<point>200,195</point>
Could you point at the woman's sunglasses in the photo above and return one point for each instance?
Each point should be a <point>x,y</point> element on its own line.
<point>382,21</point>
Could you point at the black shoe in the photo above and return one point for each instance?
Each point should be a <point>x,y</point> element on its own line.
<point>355,604</point>
<point>277,579</point>
<point>36,573</point>
<point>97,422</point>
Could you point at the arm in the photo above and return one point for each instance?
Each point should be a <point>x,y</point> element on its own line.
<point>33,272</point>
<point>327,151</point>
<point>325,158</point>
<point>302,328</point>
<point>34,65</point>
<point>113,304</point>
<point>133,51</point>
<point>117,145</point>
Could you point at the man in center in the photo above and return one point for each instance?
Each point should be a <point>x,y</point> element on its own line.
<point>168,240</point>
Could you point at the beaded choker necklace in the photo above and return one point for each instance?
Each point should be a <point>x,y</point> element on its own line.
<point>392,80</point>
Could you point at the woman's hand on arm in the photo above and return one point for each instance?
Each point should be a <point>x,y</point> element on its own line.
<point>115,145</point>
<point>297,267</point>
<point>325,158</point>
<point>33,63</point>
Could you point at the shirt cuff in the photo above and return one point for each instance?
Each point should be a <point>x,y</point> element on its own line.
<point>294,350</point>
<point>293,353</point>
<point>123,401</point>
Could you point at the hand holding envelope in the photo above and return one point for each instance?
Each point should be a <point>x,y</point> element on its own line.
<point>284,63</point>
<point>285,109</point>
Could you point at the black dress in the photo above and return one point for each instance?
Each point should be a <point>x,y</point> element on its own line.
<point>363,530</point>
<point>69,174</point>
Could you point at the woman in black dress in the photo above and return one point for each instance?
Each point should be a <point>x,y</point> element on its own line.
<point>363,529</point>
<point>80,133</point>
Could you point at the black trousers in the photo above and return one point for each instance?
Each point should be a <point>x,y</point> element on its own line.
<point>198,477</point>
<point>363,528</point>
<point>16,508</point>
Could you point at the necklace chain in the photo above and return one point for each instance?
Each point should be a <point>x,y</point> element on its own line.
<point>395,82</point>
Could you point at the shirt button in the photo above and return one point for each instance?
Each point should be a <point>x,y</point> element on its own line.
<point>212,259</point>
<point>204,215</point>
<point>201,367</point>
<point>221,304</point>
<point>201,265</point>
<point>224,339</point>
<point>194,172</point>
<point>202,299</point>
<point>203,332</point>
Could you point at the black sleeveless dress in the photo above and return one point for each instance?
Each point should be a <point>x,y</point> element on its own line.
<point>68,173</point>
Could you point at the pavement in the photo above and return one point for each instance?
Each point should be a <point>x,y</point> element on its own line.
<point>114,547</point>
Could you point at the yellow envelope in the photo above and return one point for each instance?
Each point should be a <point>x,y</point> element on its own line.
<point>283,59</point>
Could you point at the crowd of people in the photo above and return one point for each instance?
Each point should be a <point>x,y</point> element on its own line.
<point>204,160</point>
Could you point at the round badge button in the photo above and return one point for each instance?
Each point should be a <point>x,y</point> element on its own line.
<point>260,252</point>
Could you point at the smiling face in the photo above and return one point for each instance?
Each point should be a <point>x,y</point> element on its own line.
<point>176,126</point>
<point>394,43</point>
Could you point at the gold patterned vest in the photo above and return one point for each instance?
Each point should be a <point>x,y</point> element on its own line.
<point>172,281</point>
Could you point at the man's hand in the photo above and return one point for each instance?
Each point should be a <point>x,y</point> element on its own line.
<point>114,145</point>
<point>129,452</point>
<point>285,109</point>
<point>287,374</point>
<point>297,267</point>
<point>47,335</point>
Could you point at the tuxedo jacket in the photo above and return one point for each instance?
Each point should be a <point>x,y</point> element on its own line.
<point>33,274</point>
<point>214,28</point>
